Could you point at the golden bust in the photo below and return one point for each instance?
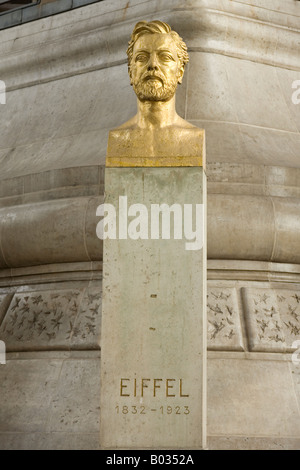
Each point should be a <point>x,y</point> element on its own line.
<point>156,135</point>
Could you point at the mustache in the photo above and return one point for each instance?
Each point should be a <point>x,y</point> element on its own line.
<point>148,75</point>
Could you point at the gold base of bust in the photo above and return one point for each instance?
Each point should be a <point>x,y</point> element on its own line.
<point>114,162</point>
<point>165,147</point>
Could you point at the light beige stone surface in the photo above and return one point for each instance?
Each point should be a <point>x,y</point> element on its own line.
<point>45,420</point>
<point>27,388</point>
<point>295,372</point>
<point>271,195</point>
<point>52,184</point>
<point>75,405</point>
<point>49,441</point>
<point>153,334</point>
<point>49,232</point>
<point>253,398</point>
<point>253,443</point>
<point>225,214</point>
<point>49,402</point>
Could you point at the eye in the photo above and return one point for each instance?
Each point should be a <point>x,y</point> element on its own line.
<point>166,57</point>
<point>141,58</point>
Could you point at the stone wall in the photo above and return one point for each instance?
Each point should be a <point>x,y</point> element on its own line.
<point>67,85</point>
<point>17,13</point>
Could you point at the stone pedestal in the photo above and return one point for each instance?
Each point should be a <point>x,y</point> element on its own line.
<point>153,344</point>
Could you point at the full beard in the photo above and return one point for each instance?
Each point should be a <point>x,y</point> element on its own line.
<point>149,90</point>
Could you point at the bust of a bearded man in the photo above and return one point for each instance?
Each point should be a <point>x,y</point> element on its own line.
<point>156,60</point>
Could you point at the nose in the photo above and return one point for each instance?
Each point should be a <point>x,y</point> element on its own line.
<point>152,64</point>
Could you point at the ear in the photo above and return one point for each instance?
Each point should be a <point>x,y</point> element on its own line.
<point>180,74</point>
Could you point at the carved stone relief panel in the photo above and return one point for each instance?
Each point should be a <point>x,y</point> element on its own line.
<point>223,320</point>
<point>40,320</point>
<point>5,300</point>
<point>86,330</point>
<point>71,319</point>
<point>272,318</point>
<point>289,307</point>
<point>52,319</point>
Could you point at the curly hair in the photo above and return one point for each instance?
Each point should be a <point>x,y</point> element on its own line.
<point>152,27</point>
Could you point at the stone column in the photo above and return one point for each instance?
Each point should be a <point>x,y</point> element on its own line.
<point>153,345</point>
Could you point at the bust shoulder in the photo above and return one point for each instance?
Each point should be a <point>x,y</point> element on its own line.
<point>177,141</point>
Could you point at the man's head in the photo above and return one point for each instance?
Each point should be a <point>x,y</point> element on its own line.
<point>156,60</point>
